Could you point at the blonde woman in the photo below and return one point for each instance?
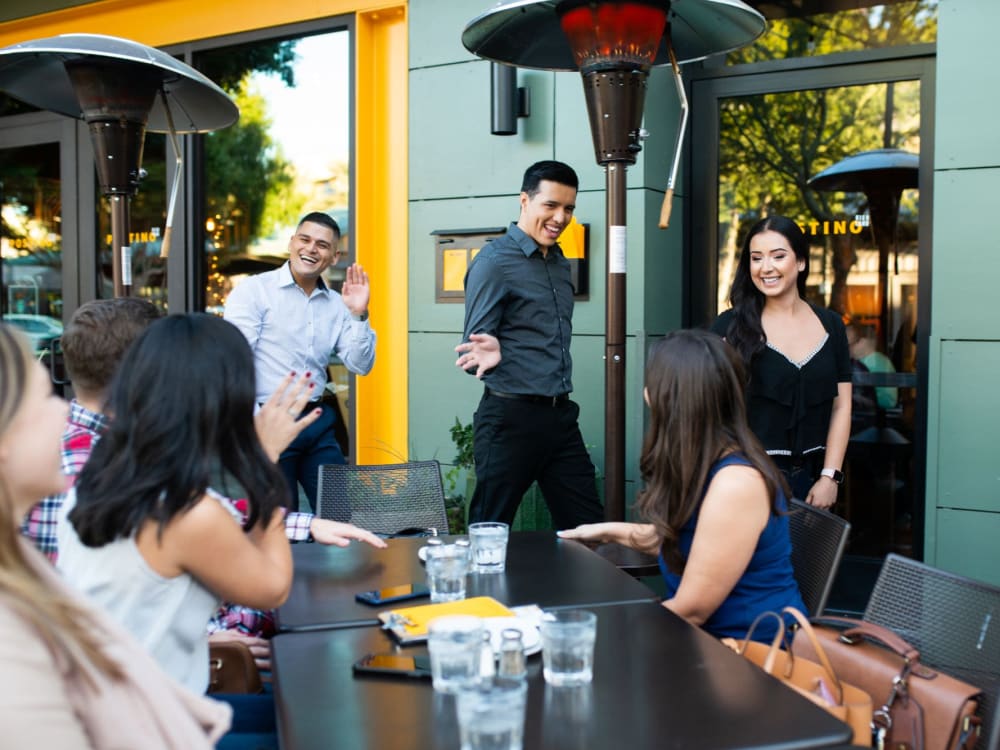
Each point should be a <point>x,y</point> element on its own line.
<point>71,677</point>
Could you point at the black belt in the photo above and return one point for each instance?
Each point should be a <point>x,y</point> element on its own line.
<point>547,400</point>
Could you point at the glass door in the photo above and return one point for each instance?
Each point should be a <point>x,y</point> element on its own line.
<point>758,142</point>
<point>37,232</point>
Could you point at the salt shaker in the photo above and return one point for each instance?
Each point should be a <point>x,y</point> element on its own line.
<point>486,668</point>
<point>511,654</point>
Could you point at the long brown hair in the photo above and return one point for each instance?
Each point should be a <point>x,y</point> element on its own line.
<point>694,382</point>
<point>61,623</point>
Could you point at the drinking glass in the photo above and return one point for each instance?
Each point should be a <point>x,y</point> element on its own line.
<point>489,546</point>
<point>491,714</point>
<point>447,567</point>
<point>454,643</point>
<point>568,637</point>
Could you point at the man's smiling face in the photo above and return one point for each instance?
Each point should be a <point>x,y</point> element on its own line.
<point>311,250</point>
<point>547,213</point>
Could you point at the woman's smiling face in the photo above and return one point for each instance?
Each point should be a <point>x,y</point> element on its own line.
<point>774,268</point>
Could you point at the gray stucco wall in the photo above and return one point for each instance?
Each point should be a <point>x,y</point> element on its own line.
<point>461,176</point>
<point>963,467</point>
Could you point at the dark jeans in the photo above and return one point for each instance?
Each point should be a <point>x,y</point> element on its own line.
<point>519,442</point>
<point>801,472</point>
<point>254,726</point>
<point>315,445</point>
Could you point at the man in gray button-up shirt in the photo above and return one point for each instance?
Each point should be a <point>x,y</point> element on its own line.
<point>518,327</point>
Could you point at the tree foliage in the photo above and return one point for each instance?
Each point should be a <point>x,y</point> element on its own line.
<point>243,166</point>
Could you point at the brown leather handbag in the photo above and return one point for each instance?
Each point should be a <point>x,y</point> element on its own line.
<point>231,669</point>
<point>813,678</point>
<point>920,708</point>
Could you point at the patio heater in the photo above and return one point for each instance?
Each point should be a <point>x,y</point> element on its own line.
<point>881,175</point>
<point>613,44</point>
<point>121,89</point>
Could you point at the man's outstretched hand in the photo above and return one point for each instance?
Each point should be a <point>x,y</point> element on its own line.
<point>479,355</point>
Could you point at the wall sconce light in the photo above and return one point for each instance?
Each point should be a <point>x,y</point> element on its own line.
<point>507,101</point>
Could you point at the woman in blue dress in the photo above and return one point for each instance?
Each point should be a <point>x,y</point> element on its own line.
<point>797,358</point>
<point>714,504</point>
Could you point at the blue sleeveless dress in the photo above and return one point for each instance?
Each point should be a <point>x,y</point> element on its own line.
<point>767,584</point>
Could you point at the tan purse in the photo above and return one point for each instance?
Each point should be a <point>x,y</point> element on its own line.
<point>921,708</point>
<point>231,669</point>
<point>813,678</point>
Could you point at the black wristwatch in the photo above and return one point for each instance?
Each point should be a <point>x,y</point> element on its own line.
<point>835,474</point>
<point>360,318</point>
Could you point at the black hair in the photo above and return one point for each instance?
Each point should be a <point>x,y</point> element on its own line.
<point>746,332</point>
<point>324,220</point>
<point>182,401</point>
<point>553,171</point>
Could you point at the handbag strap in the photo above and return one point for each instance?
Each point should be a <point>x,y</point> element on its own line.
<point>856,629</point>
<point>806,627</point>
<point>779,637</point>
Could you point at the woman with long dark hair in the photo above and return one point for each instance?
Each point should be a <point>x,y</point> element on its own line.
<point>714,504</point>
<point>72,677</point>
<point>797,358</point>
<point>155,534</point>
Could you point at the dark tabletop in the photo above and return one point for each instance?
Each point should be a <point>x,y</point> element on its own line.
<point>659,682</point>
<point>541,569</point>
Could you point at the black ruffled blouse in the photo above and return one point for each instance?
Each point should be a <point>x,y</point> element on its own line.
<point>789,404</point>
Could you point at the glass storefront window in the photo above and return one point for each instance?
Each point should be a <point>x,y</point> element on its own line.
<point>287,155</point>
<point>31,242</point>
<point>869,26</point>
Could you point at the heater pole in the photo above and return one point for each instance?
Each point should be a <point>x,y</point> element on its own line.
<point>614,347</point>
<point>121,251</point>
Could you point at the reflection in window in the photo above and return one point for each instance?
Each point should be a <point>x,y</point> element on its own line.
<point>764,170</point>
<point>287,155</point>
<point>878,25</point>
<point>31,242</point>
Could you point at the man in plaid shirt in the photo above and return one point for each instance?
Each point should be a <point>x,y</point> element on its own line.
<point>93,344</point>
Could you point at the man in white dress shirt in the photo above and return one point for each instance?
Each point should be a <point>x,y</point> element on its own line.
<point>294,322</point>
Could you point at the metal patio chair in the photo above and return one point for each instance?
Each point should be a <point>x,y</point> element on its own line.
<point>952,620</point>
<point>386,499</point>
<point>818,541</point>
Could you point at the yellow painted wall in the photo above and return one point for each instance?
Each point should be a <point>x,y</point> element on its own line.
<point>380,158</point>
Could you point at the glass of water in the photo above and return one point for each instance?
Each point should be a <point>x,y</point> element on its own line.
<point>447,567</point>
<point>491,714</point>
<point>489,546</point>
<point>455,643</point>
<point>568,637</point>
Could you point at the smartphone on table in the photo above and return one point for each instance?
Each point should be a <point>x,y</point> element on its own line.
<point>390,594</point>
<point>401,665</point>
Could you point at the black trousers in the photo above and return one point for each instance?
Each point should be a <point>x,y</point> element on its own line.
<point>519,442</point>
<point>801,472</point>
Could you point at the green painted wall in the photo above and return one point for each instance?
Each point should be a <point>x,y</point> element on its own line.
<point>963,469</point>
<point>461,176</point>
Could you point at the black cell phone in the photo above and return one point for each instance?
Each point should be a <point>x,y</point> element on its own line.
<point>393,594</point>
<point>394,664</point>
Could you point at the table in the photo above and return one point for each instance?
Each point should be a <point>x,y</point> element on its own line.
<point>541,569</point>
<point>658,682</point>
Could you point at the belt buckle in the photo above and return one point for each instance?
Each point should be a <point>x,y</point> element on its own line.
<point>555,401</point>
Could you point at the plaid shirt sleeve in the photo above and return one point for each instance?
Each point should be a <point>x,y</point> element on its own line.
<point>297,526</point>
<point>82,432</point>
<point>253,622</point>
